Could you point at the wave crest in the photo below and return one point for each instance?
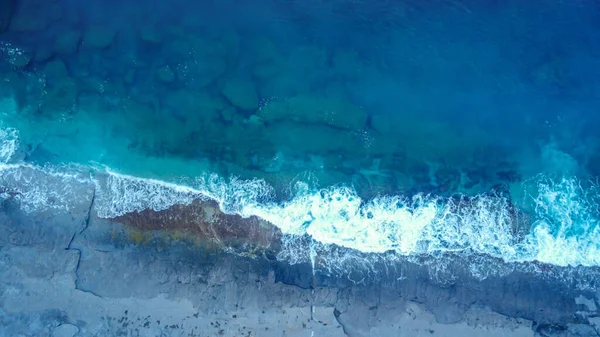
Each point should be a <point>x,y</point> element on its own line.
<point>561,228</point>
<point>9,143</point>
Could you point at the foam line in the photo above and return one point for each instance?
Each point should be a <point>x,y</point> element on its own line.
<point>564,228</point>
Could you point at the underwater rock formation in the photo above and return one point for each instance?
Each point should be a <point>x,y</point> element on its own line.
<point>241,94</point>
<point>336,112</point>
<point>7,8</point>
<point>204,221</point>
<point>98,37</point>
<point>34,15</point>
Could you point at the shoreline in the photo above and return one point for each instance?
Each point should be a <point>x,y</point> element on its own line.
<point>95,262</point>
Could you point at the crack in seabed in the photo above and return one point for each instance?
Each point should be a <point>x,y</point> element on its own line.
<point>86,224</point>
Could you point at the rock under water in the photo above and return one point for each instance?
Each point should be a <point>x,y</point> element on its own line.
<point>7,8</point>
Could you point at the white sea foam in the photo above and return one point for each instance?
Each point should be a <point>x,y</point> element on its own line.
<point>567,229</point>
<point>39,188</point>
<point>118,194</point>
<point>420,225</point>
<point>564,231</point>
<point>9,143</point>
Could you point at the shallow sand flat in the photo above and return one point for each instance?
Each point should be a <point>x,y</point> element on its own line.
<point>70,273</point>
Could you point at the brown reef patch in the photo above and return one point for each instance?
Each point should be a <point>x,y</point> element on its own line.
<point>203,221</point>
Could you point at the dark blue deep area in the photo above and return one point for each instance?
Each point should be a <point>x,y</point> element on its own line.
<point>384,95</point>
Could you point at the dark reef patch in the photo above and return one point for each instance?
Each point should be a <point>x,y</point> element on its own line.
<point>7,8</point>
<point>204,221</point>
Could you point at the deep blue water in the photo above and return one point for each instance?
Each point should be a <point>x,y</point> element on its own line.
<point>352,121</point>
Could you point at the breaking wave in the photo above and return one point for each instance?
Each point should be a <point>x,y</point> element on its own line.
<point>559,227</point>
<point>556,221</point>
<point>562,229</point>
<point>9,142</point>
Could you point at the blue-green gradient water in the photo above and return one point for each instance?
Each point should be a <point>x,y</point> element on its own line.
<point>405,126</point>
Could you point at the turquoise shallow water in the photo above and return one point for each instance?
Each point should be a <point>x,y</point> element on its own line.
<point>397,126</point>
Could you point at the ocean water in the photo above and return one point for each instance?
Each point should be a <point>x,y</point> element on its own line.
<point>391,128</point>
